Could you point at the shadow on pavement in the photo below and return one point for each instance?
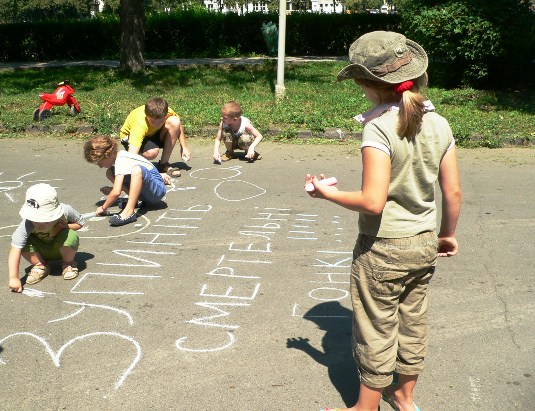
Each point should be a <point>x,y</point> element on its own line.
<point>336,343</point>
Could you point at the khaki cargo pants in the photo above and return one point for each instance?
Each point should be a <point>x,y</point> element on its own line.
<point>389,282</point>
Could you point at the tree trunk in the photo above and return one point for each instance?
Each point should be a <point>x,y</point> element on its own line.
<point>132,35</point>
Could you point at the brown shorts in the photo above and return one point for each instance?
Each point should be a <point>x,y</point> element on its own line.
<point>389,282</point>
<point>242,142</point>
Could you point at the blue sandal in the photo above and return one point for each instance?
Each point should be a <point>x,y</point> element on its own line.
<point>116,220</point>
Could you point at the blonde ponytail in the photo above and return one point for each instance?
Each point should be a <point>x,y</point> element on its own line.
<point>411,109</point>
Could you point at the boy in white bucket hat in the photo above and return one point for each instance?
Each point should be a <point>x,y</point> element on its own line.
<point>406,148</point>
<point>46,233</point>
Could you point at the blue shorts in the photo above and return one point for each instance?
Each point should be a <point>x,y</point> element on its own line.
<point>153,187</point>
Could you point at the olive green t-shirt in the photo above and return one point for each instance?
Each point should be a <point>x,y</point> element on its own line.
<point>410,207</point>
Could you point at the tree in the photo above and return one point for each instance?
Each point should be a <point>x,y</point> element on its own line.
<point>132,18</point>
<point>301,5</point>
<point>477,42</point>
<point>362,5</point>
<point>112,7</point>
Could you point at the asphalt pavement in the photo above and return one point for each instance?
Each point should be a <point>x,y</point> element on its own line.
<point>233,292</point>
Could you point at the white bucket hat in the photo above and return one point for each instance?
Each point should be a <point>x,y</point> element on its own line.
<point>384,56</point>
<point>41,205</point>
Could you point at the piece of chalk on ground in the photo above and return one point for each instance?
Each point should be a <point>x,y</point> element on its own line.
<point>331,181</point>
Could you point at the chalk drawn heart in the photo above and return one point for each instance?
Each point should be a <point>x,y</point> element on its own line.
<point>216,173</point>
<point>56,356</point>
<point>237,190</point>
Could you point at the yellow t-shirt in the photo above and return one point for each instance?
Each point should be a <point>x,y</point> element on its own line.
<point>136,127</point>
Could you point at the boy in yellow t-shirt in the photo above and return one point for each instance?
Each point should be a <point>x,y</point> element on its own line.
<point>152,127</point>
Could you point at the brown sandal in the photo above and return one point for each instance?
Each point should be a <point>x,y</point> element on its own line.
<point>169,170</point>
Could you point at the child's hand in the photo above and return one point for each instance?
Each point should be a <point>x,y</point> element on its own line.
<point>447,246</point>
<point>186,154</point>
<point>166,179</point>
<point>250,153</point>
<point>320,190</point>
<point>106,190</point>
<point>15,285</point>
<point>99,210</point>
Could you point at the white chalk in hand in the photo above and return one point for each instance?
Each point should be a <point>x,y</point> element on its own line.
<point>331,181</point>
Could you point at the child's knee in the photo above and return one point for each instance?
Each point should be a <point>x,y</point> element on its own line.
<point>152,153</point>
<point>172,128</point>
<point>172,123</point>
<point>66,251</point>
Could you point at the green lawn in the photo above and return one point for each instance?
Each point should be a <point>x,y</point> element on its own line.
<point>314,101</point>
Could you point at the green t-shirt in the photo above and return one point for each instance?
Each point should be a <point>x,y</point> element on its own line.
<point>410,207</point>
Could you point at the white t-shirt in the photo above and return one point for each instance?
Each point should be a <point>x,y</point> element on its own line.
<point>125,161</point>
<point>245,123</point>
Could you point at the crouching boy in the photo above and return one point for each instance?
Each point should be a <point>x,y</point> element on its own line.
<point>47,232</point>
<point>129,172</point>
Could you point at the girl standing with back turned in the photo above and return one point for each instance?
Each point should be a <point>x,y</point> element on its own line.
<point>406,149</point>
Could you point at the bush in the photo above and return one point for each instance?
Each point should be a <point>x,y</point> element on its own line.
<point>204,34</point>
<point>60,40</point>
<point>337,31</point>
<point>475,42</point>
<point>190,33</point>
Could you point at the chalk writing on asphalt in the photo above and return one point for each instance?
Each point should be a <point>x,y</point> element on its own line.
<point>11,185</point>
<point>239,263</point>
<point>56,355</point>
<point>114,279</point>
<point>329,279</point>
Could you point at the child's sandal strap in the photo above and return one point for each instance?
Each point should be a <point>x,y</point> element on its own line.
<point>37,273</point>
<point>70,271</point>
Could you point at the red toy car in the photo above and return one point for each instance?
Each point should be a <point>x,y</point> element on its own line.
<point>63,94</point>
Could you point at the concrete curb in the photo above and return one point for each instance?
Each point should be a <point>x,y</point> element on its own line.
<point>331,133</point>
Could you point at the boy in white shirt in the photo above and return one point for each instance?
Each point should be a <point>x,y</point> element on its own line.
<point>129,172</point>
<point>238,132</point>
